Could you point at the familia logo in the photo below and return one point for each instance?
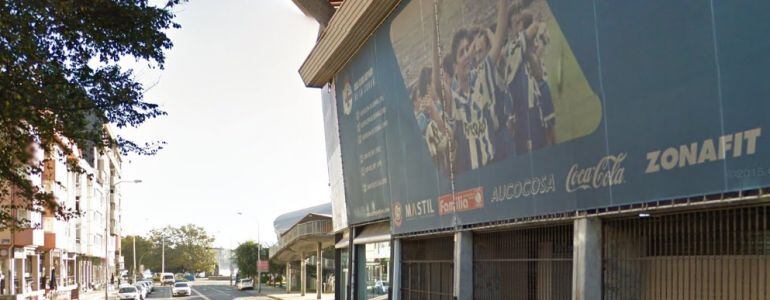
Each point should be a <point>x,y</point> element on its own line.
<point>607,172</point>
<point>466,200</point>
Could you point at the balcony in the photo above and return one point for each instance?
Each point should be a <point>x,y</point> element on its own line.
<point>309,232</point>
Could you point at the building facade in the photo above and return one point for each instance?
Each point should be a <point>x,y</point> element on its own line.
<point>66,257</point>
<point>507,149</point>
<point>305,240</point>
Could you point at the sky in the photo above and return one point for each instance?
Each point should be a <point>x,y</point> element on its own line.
<point>243,133</point>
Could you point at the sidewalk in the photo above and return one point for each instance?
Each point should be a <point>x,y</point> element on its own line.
<point>280,294</point>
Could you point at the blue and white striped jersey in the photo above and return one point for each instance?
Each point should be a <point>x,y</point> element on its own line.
<point>474,114</point>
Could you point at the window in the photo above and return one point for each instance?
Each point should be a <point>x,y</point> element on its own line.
<point>373,265</point>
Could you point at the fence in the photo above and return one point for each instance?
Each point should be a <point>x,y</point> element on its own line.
<point>427,269</point>
<point>534,263</point>
<point>710,254</point>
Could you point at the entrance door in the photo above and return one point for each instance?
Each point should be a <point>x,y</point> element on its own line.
<point>532,263</point>
<point>427,268</point>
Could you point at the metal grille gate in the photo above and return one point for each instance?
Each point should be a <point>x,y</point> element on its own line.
<point>531,263</point>
<point>427,269</point>
<point>714,254</point>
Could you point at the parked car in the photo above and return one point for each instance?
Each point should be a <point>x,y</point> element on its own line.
<point>381,287</point>
<point>181,289</point>
<point>129,292</point>
<point>167,278</point>
<point>245,283</point>
<point>150,286</point>
<point>142,290</point>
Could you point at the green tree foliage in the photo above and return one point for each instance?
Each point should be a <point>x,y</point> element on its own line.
<point>245,256</point>
<point>60,82</point>
<point>145,253</point>
<point>188,249</point>
<point>193,249</point>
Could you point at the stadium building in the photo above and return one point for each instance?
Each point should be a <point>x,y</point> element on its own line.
<point>531,149</point>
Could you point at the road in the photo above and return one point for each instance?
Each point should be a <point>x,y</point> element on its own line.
<point>208,290</point>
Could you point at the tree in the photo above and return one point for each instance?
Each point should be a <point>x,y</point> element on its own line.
<point>60,82</point>
<point>188,248</point>
<point>144,253</point>
<point>245,256</point>
<point>194,249</point>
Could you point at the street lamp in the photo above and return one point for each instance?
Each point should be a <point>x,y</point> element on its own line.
<point>259,261</point>
<point>259,258</point>
<point>163,254</point>
<point>107,233</point>
<point>133,271</point>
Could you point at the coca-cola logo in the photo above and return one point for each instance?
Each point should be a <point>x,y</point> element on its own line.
<point>607,172</point>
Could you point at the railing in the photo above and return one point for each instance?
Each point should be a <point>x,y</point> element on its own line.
<point>300,230</point>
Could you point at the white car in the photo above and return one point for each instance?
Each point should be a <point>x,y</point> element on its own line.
<point>381,287</point>
<point>167,278</point>
<point>148,285</point>
<point>181,289</point>
<point>129,292</point>
<point>245,283</point>
<point>142,290</point>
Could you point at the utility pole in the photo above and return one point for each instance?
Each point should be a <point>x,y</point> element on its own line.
<point>134,270</point>
<point>259,262</point>
<point>107,212</point>
<point>163,256</point>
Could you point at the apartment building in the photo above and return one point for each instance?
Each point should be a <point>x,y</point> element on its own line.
<point>66,257</point>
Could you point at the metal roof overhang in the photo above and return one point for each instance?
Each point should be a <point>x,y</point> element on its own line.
<point>375,233</point>
<point>348,30</point>
<point>305,244</point>
<point>343,242</point>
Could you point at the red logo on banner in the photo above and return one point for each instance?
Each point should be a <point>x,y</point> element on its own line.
<point>463,201</point>
<point>263,266</point>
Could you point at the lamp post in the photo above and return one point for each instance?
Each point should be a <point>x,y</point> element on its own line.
<point>259,262</point>
<point>163,255</point>
<point>259,258</point>
<point>107,233</point>
<point>133,270</point>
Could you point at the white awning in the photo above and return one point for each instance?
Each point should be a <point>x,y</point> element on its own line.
<point>374,233</point>
<point>343,243</point>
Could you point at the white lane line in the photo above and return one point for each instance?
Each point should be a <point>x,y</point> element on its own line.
<point>199,294</point>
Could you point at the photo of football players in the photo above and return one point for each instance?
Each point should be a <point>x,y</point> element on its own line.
<point>473,92</point>
<point>430,116</point>
<point>523,75</point>
<point>491,84</point>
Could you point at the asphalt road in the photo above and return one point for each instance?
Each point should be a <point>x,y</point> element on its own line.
<point>208,290</point>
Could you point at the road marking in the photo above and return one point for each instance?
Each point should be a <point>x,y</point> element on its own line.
<point>199,294</point>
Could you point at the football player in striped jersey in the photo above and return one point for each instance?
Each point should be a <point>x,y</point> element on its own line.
<point>473,91</point>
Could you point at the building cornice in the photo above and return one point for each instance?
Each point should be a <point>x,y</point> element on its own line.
<point>348,30</point>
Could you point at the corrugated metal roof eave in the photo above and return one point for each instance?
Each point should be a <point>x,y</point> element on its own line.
<point>350,27</point>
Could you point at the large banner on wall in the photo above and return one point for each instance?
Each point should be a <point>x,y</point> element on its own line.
<point>468,111</point>
<point>334,159</point>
